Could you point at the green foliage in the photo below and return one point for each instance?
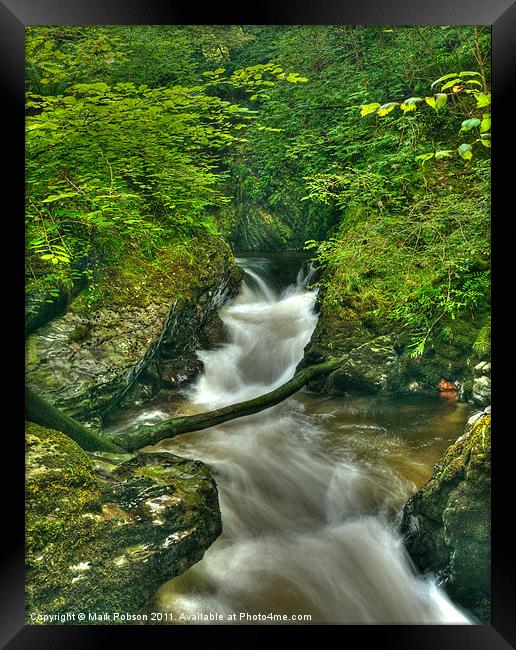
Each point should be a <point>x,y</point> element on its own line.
<point>423,267</point>
<point>139,136</point>
<point>116,167</point>
<point>482,345</point>
<point>459,83</point>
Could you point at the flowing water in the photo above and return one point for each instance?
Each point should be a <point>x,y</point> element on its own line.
<point>310,490</point>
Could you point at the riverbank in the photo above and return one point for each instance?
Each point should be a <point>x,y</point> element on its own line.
<point>133,331</point>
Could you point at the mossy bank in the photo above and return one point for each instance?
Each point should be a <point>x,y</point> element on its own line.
<point>104,531</point>
<point>135,329</point>
<point>381,358</point>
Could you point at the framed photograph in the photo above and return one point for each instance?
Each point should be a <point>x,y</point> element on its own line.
<point>257,334</point>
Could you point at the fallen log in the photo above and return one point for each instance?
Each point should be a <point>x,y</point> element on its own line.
<point>48,415</point>
<point>40,411</point>
<point>152,434</point>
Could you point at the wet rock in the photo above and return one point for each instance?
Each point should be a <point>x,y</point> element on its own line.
<point>105,531</point>
<point>81,374</point>
<point>473,418</point>
<point>366,371</point>
<point>481,391</point>
<point>172,362</point>
<point>89,361</point>
<point>483,368</point>
<point>213,333</point>
<point>179,371</point>
<point>446,525</point>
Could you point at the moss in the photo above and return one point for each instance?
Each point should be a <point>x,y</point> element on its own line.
<point>259,230</point>
<point>175,270</point>
<point>482,345</point>
<point>79,333</point>
<point>104,532</point>
<point>60,489</point>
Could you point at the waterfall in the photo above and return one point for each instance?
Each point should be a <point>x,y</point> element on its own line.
<point>307,530</point>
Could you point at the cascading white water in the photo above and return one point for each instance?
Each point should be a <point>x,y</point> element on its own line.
<point>306,528</point>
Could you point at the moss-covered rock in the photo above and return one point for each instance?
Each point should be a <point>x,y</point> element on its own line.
<point>142,312</point>
<point>380,353</point>
<point>446,525</point>
<point>104,531</point>
<point>366,370</point>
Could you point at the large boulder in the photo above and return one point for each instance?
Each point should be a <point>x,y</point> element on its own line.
<point>104,531</point>
<point>366,370</point>
<point>446,524</point>
<point>381,358</point>
<point>148,316</point>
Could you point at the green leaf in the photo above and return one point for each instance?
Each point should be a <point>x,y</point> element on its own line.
<point>470,124</point>
<point>430,101</point>
<point>424,157</point>
<point>58,197</point>
<point>413,100</point>
<point>485,125</point>
<point>483,99</point>
<point>444,153</point>
<point>446,76</point>
<point>465,151</point>
<point>440,100</point>
<point>410,104</point>
<point>386,108</point>
<point>368,108</point>
<point>451,83</point>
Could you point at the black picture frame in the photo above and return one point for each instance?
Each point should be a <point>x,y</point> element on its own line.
<point>501,15</point>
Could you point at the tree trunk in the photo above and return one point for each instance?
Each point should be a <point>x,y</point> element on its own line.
<point>43,413</point>
<point>150,435</point>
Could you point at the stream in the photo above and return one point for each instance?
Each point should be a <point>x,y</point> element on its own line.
<point>311,490</point>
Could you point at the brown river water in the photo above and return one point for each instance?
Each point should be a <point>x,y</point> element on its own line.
<point>312,490</point>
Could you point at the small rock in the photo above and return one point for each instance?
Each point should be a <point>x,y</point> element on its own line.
<point>483,368</point>
<point>473,418</point>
